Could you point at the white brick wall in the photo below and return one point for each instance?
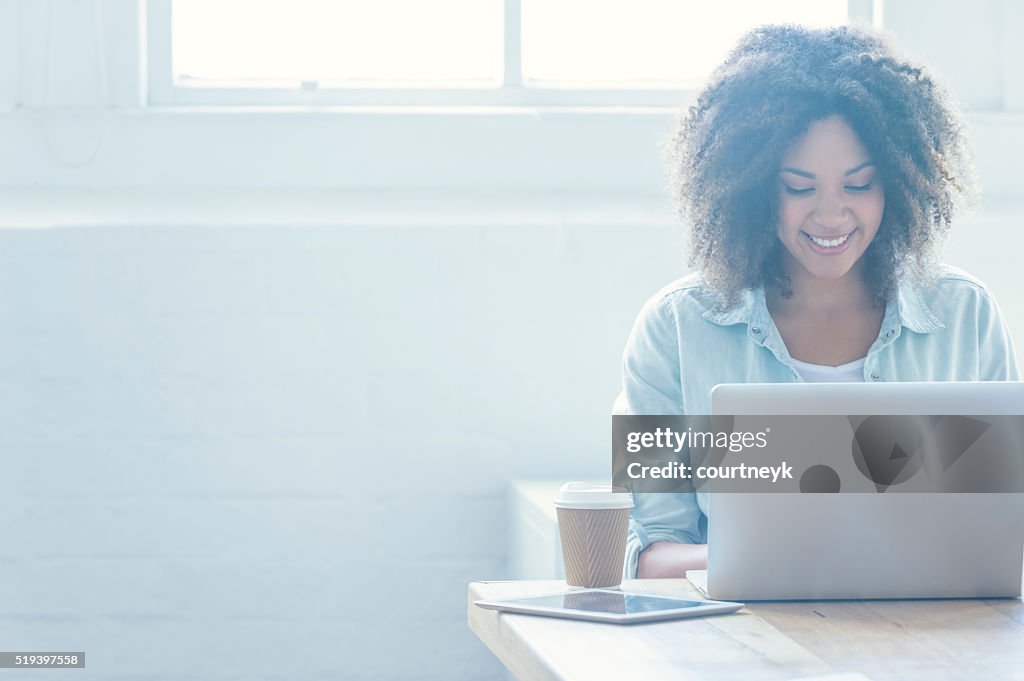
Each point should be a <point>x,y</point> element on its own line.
<point>222,447</point>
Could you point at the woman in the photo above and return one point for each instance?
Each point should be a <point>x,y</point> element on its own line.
<point>819,172</point>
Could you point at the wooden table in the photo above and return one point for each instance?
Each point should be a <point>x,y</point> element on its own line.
<point>833,640</point>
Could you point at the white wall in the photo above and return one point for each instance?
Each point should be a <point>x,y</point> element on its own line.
<point>234,418</point>
<point>232,442</point>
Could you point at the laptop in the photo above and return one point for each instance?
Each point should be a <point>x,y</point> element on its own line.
<point>785,546</point>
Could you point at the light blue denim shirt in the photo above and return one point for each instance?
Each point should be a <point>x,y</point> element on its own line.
<point>681,346</point>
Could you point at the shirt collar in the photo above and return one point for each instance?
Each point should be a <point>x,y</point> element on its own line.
<point>913,312</point>
<point>905,307</point>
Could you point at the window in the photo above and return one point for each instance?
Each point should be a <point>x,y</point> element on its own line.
<point>332,44</point>
<point>452,52</point>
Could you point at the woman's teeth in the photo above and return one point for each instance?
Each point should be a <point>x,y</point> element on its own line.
<point>829,243</point>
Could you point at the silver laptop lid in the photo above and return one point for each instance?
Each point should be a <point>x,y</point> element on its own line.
<point>831,546</point>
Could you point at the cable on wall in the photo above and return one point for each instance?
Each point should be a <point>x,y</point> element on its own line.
<point>101,86</point>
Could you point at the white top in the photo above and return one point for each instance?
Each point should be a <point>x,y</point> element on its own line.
<point>850,372</point>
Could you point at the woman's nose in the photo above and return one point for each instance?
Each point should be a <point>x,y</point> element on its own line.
<point>830,213</point>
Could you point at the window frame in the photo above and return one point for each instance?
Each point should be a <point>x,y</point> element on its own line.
<point>512,92</point>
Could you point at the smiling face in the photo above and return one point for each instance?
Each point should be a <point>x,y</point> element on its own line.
<point>831,201</point>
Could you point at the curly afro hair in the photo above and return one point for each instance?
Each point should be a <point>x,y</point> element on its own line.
<point>775,83</point>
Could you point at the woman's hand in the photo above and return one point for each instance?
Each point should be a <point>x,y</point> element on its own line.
<point>668,559</point>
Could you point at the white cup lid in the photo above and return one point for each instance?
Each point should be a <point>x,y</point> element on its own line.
<point>585,495</point>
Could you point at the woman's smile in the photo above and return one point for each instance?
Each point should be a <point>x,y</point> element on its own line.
<point>829,245</point>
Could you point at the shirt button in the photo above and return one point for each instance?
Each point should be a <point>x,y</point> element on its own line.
<point>875,376</point>
<point>889,333</point>
<point>756,330</point>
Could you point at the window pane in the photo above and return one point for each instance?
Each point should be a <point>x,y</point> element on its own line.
<point>647,43</point>
<point>365,44</point>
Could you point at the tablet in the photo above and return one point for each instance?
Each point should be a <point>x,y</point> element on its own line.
<point>608,605</point>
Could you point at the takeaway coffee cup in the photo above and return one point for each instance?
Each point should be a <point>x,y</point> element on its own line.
<point>592,522</point>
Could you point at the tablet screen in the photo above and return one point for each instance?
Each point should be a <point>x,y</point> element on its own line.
<point>607,601</point>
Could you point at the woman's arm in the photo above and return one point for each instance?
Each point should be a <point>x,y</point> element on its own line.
<point>651,384</point>
<point>668,559</point>
<point>998,360</point>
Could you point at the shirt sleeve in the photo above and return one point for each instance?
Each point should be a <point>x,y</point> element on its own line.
<point>997,356</point>
<point>651,386</point>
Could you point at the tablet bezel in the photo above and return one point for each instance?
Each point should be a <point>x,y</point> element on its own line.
<point>707,607</point>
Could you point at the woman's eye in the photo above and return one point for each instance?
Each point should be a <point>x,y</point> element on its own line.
<point>859,188</point>
<point>798,192</point>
